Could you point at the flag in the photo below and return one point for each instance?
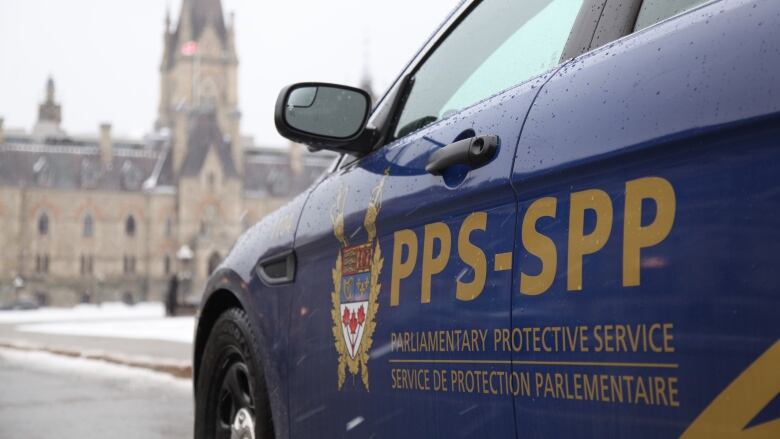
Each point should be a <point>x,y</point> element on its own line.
<point>189,48</point>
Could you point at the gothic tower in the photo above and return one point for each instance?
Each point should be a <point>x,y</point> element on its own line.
<point>50,110</point>
<point>49,115</point>
<point>199,74</point>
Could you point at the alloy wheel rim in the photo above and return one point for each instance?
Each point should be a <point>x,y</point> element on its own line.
<point>243,426</point>
<point>235,406</point>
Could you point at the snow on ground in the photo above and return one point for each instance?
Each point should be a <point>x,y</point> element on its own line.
<point>105,311</point>
<point>177,329</point>
<point>92,369</point>
<point>144,321</point>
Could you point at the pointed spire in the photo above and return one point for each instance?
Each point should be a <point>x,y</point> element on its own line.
<point>168,40</point>
<point>50,90</point>
<point>230,45</point>
<point>203,13</point>
<point>184,27</point>
<point>366,81</point>
<point>50,110</point>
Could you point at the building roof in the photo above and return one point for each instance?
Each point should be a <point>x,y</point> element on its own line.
<point>162,175</point>
<point>74,167</point>
<point>268,172</point>
<point>205,135</point>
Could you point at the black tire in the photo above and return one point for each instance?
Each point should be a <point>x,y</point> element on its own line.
<point>231,377</point>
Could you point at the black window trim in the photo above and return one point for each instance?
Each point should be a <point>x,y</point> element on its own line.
<point>385,109</point>
<point>616,20</point>
<point>409,73</point>
<point>583,24</point>
<point>704,4</point>
<point>583,29</point>
<point>598,23</point>
<point>386,112</point>
<point>393,100</point>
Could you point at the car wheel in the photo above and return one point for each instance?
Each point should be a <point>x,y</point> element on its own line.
<point>231,399</point>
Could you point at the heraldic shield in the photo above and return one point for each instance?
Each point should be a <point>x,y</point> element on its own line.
<point>356,289</point>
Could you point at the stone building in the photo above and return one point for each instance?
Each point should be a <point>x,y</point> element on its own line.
<point>103,218</point>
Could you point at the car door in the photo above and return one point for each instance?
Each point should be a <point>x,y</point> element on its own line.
<point>646,287</point>
<point>405,254</point>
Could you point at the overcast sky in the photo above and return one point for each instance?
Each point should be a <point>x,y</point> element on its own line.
<point>105,54</point>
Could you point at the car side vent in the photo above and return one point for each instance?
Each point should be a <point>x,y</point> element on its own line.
<point>278,269</point>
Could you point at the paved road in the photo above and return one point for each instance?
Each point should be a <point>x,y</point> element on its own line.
<point>44,396</point>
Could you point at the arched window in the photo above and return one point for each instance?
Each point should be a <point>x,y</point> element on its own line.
<point>167,264</point>
<point>168,227</point>
<point>43,224</point>
<point>42,263</point>
<point>87,267</point>
<point>128,263</point>
<point>88,226</point>
<point>130,226</point>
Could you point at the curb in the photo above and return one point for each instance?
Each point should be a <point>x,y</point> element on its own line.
<point>177,370</point>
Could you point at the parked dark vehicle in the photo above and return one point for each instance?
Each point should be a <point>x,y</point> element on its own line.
<point>562,220</point>
<point>21,304</point>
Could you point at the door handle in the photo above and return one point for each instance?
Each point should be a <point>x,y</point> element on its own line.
<point>472,152</point>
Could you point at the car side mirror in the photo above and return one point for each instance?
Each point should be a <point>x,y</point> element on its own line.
<point>324,116</point>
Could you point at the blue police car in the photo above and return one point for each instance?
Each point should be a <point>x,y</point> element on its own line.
<point>562,220</point>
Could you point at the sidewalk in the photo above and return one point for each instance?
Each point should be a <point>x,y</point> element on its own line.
<point>139,335</point>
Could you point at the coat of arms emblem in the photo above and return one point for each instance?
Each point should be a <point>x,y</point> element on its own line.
<point>356,289</point>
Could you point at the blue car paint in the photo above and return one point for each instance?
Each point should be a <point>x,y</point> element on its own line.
<point>693,100</point>
<point>268,306</point>
<point>696,101</point>
<point>411,198</point>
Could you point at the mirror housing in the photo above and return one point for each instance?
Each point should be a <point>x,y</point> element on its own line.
<point>325,116</point>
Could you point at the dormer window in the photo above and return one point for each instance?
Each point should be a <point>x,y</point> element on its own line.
<point>90,173</point>
<point>131,176</point>
<point>44,174</point>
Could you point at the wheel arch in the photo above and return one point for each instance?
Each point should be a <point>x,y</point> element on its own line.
<point>225,290</point>
<point>217,303</point>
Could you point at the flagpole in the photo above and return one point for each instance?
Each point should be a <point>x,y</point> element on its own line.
<point>191,50</point>
<point>193,80</point>
<point>197,77</point>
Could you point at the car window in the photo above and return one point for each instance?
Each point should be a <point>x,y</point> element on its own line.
<point>499,44</point>
<point>653,11</point>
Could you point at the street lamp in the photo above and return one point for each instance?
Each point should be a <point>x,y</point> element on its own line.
<point>185,256</point>
<point>18,287</point>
